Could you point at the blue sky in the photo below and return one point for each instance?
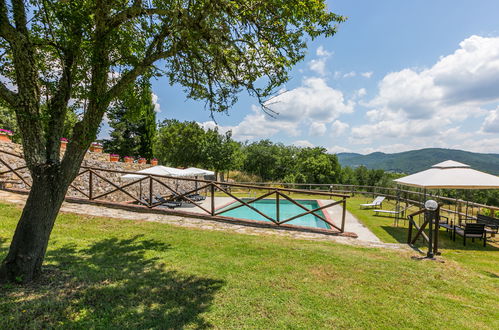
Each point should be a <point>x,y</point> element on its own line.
<point>398,75</point>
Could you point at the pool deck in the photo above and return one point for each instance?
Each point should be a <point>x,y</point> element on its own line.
<point>365,237</point>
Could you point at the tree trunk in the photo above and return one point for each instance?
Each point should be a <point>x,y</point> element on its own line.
<point>29,244</point>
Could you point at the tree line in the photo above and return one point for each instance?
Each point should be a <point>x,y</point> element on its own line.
<point>185,144</point>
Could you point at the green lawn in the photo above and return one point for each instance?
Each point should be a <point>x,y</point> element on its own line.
<point>108,273</point>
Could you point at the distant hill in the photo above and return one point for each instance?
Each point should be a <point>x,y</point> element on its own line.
<point>418,160</point>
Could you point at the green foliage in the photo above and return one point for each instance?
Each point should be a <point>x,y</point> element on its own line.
<point>220,152</point>
<point>133,122</point>
<point>315,165</point>
<point>185,144</point>
<point>277,162</point>
<point>8,121</point>
<point>263,158</point>
<point>180,143</point>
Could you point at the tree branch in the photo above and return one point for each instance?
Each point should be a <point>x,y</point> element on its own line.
<point>136,10</point>
<point>7,31</point>
<point>7,95</point>
<point>58,107</point>
<point>131,75</point>
<point>20,17</point>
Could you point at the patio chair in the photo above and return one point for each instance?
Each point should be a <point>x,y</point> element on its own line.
<point>377,202</point>
<point>471,230</point>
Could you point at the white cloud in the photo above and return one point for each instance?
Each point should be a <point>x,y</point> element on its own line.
<point>317,129</point>
<point>360,93</point>
<point>350,74</point>
<point>319,65</point>
<point>424,103</point>
<point>338,128</point>
<point>313,105</point>
<point>314,100</point>
<point>337,149</point>
<point>367,74</point>
<point>322,52</point>
<point>303,144</point>
<point>491,122</point>
<point>157,106</point>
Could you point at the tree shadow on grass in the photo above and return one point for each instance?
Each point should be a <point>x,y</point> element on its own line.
<point>114,283</point>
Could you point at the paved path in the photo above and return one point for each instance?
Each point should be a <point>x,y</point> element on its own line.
<point>366,237</point>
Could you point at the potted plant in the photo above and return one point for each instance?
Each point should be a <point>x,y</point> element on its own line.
<point>64,143</point>
<point>114,158</point>
<point>142,160</point>
<point>154,162</point>
<point>96,147</point>
<point>128,159</point>
<point>5,135</point>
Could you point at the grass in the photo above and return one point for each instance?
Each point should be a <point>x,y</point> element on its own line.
<point>108,273</point>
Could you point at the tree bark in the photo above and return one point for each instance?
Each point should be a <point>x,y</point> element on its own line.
<point>29,244</point>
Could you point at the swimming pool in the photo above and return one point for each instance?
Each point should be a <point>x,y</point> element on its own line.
<point>286,210</point>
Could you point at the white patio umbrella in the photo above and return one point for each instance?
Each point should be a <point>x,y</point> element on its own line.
<point>157,170</point>
<point>450,175</point>
<point>198,171</point>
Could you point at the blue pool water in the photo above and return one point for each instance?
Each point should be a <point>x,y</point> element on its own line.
<point>286,210</point>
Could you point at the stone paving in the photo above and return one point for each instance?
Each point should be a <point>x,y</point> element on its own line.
<point>366,237</point>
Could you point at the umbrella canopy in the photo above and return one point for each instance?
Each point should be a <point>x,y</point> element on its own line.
<point>198,171</point>
<point>158,170</point>
<point>451,175</point>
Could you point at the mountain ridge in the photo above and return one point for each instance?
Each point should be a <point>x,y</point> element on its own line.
<point>417,160</point>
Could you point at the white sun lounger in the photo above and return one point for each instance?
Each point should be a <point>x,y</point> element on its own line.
<point>377,202</point>
<point>391,212</point>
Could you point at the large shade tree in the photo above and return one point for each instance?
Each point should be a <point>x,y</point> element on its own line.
<point>61,53</point>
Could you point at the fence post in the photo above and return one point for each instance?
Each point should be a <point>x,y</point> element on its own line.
<point>437,231</point>
<point>212,188</point>
<point>344,213</point>
<point>90,185</point>
<point>278,215</point>
<point>409,236</point>
<point>150,191</point>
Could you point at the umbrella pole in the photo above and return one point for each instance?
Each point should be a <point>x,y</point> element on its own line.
<point>397,208</point>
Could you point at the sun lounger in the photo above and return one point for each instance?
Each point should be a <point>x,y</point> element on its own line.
<point>392,212</point>
<point>168,203</point>
<point>377,202</point>
<point>190,197</point>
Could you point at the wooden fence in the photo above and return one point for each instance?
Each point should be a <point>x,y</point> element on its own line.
<point>153,195</point>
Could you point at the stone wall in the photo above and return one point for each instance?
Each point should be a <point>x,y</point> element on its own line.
<point>100,163</point>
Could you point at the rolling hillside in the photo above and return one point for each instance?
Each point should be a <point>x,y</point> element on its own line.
<point>417,160</point>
